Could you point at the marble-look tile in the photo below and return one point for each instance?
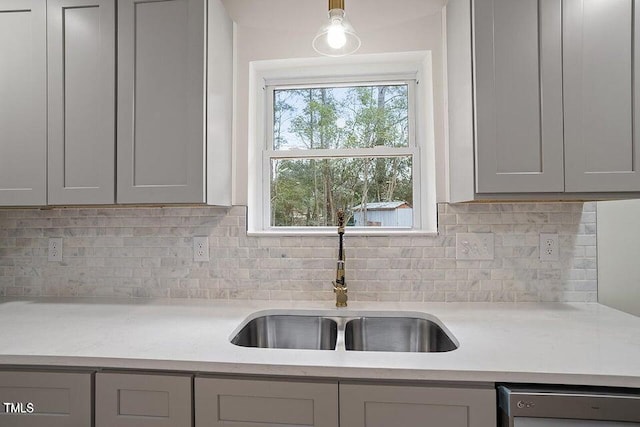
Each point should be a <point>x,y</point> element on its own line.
<point>146,252</point>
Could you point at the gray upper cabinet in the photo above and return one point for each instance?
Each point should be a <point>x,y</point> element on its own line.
<point>602,95</point>
<point>219,104</point>
<point>161,101</point>
<point>175,74</point>
<point>81,126</point>
<point>365,405</point>
<point>174,96</point>
<point>23,103</point>
<point>518,53</point>
<point>542,98</point>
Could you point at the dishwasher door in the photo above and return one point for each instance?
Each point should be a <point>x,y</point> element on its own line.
<point>557,407</point>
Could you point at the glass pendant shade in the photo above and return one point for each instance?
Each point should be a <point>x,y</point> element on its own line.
<point>336,37</point>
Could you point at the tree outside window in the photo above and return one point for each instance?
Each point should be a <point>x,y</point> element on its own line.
<point>343,147</point>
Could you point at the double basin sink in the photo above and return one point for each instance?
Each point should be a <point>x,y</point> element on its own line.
<point>379,331</point>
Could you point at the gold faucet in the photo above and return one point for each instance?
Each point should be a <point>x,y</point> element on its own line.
<point>340,285</point>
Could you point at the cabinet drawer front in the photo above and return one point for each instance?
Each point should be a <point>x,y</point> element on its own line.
<point>252,403</point>
<point>58,399</point>
<point>143,403</point>
<point>142,400</point>
<point>384,414</point>
<point>275,410</point>
<point>405,406</point>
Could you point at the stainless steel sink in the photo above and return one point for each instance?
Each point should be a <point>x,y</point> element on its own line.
<point>402,334</point>
<point>340,330</point>
<point>289,331</point>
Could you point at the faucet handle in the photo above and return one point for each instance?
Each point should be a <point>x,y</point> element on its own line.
<point>341,219</point>
<point>341,295</point>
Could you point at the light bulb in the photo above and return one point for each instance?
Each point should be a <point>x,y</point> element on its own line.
<point>335,36</point>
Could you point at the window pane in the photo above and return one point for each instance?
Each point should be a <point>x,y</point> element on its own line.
<point>341,117</point>
<point>374,192</point>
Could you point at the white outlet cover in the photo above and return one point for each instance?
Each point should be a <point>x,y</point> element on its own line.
<point>549,249</point>
<point>54,253</point>
<point>476,246</point>
<point>201,249</point>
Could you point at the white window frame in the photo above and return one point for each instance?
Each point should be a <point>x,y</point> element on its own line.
<point>413,68</point>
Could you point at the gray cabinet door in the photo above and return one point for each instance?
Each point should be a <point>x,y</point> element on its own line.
<point>23,102</point>
<point>459,75</point>
<point>602,95</point>
<point>219,104</point>
<point>518,66</point>
<point>81,77</point>
<point>141,400</point>
<point>254,403</point>
<point>59,399</point>
<point>404,406</point>
<point>161,133</point>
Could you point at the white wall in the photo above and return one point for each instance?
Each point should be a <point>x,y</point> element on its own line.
<point>619,255</point>
<point>280,29</point>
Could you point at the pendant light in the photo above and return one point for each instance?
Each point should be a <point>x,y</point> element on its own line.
<point>336,37</point>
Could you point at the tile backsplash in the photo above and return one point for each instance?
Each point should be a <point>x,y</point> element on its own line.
<point>147,252</point>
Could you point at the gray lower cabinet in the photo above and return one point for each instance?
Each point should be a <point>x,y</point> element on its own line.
<point>23,103</point>
<point>81,76</point>
<point>58,399</point>
<point>137,399</point>
<point>143,400</point>
<point>251,403</point>
<point>370,405</point>
<point>161,101</point>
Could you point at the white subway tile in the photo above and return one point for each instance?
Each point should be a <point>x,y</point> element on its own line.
<point>146,252</point>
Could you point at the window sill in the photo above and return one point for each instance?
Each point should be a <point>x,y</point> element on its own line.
<point>332,231</point>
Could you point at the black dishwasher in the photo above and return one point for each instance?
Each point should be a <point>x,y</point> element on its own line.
<point>555,406</point>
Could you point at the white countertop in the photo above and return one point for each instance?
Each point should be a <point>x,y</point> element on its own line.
<point>582,344</point>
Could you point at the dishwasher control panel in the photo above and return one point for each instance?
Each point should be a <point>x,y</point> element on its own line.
<point>529,406</point>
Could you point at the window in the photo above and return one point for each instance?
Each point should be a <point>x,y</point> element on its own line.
<point>341,141</point>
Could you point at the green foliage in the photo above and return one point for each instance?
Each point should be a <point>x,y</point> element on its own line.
<point>308,192</point>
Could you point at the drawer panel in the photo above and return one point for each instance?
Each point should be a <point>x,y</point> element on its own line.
<point>143,403</point>
<point>266,410</point>
<point>222,402</point>
<point>372,405</point>
<point>47,399</point>
<point>141,400</point>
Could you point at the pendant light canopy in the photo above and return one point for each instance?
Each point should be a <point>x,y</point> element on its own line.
<point>336,37</point>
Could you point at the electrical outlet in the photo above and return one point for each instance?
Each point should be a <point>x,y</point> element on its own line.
<point>549,248</point>
<point>201,249</point>
<point>478,246</point>
<point>55,249</point>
